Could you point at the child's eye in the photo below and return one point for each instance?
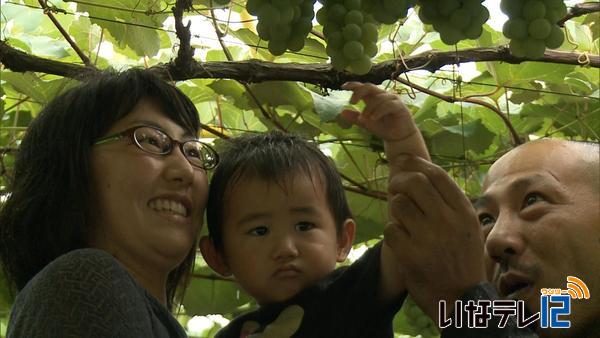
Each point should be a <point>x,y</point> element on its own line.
<point>532,198</point>
<point>259,231</point>
<point>304,226</point>
<point>486,219</point>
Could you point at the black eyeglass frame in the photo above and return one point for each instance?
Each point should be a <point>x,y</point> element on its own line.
<point>130,133</point>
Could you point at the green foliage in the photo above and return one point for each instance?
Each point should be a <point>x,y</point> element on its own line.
<point>539,99</point>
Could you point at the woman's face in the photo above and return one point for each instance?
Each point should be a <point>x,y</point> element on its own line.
<point>147,208</point>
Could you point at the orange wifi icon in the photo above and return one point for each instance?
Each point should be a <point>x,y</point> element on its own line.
<point>577,288</point>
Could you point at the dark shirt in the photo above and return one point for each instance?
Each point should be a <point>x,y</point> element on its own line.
<point>88,293</point>
<point>346,304</point>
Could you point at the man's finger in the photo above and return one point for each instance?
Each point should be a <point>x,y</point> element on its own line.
<point>417,187</point>
<point>397,237</point>
<point>449,191</point>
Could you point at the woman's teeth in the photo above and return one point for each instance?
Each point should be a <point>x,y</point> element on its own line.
<point>169,206</point>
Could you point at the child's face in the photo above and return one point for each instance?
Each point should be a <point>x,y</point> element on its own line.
<point>278,242</point>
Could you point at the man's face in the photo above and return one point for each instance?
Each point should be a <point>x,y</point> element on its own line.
<point>277,242</point>
<point>545,215</point>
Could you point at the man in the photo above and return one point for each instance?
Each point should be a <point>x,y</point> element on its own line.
<point>542,200</point>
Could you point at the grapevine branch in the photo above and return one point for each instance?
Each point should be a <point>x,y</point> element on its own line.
<point>319,74</point>
<point>64,33</point>
<point>579,10</point>
<point>185,53</point>
<point>229,57</point>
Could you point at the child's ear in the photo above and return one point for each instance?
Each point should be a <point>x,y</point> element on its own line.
<point>213,257</point>
<point>345,239</point>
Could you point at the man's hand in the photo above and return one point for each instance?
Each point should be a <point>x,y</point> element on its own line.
<point>437,238</point>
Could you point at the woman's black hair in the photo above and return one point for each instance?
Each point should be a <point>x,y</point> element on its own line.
<point>273,157</point>
<point>47,213</point>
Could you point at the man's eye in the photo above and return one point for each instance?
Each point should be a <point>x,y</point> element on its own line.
<point>258,231</point>
<point>304,226</point>
<point>486,219</point>
<point>532,198</point>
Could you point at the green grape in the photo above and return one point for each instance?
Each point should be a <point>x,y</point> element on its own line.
<point>284,23</point>
<point>369,32</point>
<point>515,28</point>
<point>556,37</point>
<point>361,65</point>
<point>422,322</point>
<point>280,32</point>
<point>512,8</point>
<point>392,5</point>
<point>387,11</point>
<point>352,32</point>
<point>303,26</point>
<point>370,49</point>
<point>307,10</point>
<point>296,43</point>
<point>445,7</point>
<point>336,13</point>
<point>534,48</point>
<point>381,15</point>
<point>268,14</point>
<point>281,4</point>
<point>481,16</point>
<point>533,9</point>
<point>277,47</point>
<point>339,61</point>
<point>335,40</point>
<point>330,27</point>
<point>286,15</point>
<point>322,16</point>
<point>474,31</point>
<point>534,28</point>
<point>353,50</point>
<point>354,17</point>
<point>428,14</point>
<point>451,36</point>
<point>471,5</point>
<point>455,20</point>
<point>460,19</point>
<point>297,13</point>
<point>352,4</point>
<point>539,29</point>
<point>263,31</point>
<point>252,6</point>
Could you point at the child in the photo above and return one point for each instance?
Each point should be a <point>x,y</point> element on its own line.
<point>279,222</point>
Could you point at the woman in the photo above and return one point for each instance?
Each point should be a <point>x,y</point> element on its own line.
<point>107,200</point>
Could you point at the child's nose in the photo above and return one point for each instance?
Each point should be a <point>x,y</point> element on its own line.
<point>285,248</point>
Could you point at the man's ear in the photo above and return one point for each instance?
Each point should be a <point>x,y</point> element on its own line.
<point>213,257</point>
<point>345,239</point>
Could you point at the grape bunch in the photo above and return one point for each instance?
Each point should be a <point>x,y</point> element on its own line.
<point>532,27</point>
<point>418,320</point>
<point>387,11</point>
<point>350,33</point>
<point>455,20</point>
<point>285,24</point>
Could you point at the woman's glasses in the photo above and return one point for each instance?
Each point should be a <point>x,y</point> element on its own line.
<point>155,141</point>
